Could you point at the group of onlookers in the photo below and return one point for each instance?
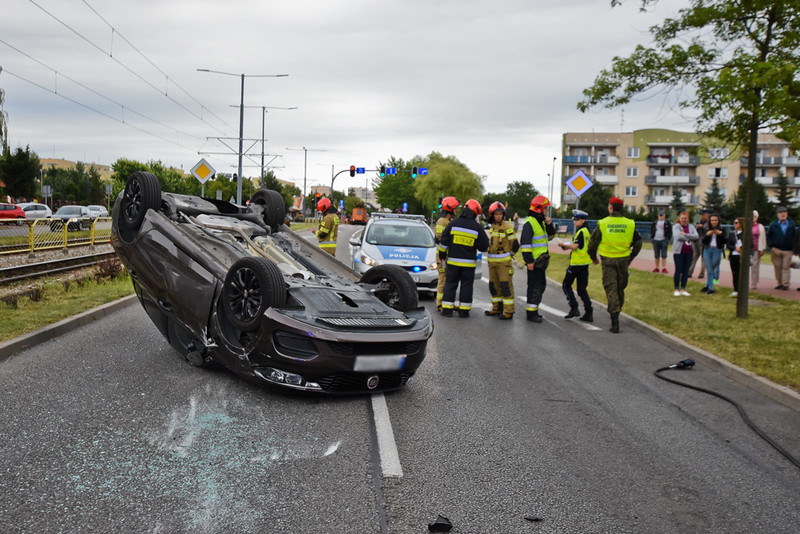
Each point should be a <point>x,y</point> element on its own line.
<point>708,240</point>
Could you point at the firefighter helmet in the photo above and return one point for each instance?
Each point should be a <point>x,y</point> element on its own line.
<point>539,203</point>
<point>474,206</point>
<point>495,207</point>
<point>450,204</point>
<point>323,204</point>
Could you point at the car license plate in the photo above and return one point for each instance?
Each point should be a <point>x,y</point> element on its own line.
<point>372,364</point>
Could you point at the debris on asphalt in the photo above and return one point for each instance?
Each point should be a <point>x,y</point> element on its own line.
<point>442,524</point>
<point>533,518</point>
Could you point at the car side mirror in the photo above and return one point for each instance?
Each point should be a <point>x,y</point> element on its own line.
<point>355,241</point>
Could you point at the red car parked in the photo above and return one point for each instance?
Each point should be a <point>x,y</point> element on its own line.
<point>12,213</point>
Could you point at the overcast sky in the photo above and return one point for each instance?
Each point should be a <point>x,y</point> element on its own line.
<point>492,82</point>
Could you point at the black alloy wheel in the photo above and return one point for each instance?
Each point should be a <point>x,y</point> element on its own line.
<point>252,286</point>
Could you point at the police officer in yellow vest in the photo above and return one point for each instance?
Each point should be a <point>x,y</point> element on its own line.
<point>502,244</point>
<point>617,242</point>
<point>328,231</point>
<point>536,232</point>
<point>578,269</point>
<point>448,206</point>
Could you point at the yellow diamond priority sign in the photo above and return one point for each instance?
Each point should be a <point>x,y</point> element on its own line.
<point>203,171</point>
<point>579,183</point>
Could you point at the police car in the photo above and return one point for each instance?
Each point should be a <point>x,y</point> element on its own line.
<point>400,239</point>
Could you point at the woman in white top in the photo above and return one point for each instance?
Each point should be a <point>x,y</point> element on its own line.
<point>683,235</point>
<point>759,248</point>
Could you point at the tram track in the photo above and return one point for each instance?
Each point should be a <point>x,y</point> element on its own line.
<point>31,271</point>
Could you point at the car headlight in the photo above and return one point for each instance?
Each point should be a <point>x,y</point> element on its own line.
<point>434,266</point>
<point>366,260</point>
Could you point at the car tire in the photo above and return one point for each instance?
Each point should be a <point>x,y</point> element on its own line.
<point>142,192</point>
<point>56,225</point>
<point>274,212</point>
<point>252,286</point>
<point>399,291</point>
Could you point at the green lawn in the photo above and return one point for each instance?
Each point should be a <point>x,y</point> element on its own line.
<point>765,343</point>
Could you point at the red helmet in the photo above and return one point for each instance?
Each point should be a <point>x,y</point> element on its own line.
<point>450,204</point>
<point>539,203</point>
<point>323,204</point>
<point>495,207</point>
<point>474,205</point>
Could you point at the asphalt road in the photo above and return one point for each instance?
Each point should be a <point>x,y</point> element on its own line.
<point>107,429</point>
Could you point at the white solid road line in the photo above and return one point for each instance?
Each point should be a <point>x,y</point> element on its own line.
<point>387,448</point>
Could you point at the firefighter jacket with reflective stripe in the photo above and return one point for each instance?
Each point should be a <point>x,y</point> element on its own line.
<point>328,231</point>
<point>580,255</point>
<point>617,236</point>
<point>441,224</point>
<point>534,237</point>
<point>502,238</point>
<point>462,239</point>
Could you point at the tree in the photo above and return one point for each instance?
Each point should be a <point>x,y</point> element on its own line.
<point>676,204</point>
<point>447,176</point>
<point>766,209</point>
<point>20,172</point>
<point>714,198</point>
<point>519,196</point>
<point>734,63</point>
<point>784,196</point>
<point>595,201</point>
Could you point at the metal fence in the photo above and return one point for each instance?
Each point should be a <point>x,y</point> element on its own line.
<point>44,234</point>
<point>566,226</point>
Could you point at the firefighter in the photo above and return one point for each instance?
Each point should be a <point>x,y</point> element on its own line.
<point>328,230</point>
<point>617,242</point>
<point>502,244</point>
<point>461,241</point>
<point>449,206</point>
<point>578,269</point>
<point>536,232</point>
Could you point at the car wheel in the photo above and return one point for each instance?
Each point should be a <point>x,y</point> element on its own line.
<point>274,207</point>
<point>142,193</point>
<point>20,221</point>
<point>252,286</point>
<point>396,288</point>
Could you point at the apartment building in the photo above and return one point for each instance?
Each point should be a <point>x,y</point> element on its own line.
<point>647,167</point>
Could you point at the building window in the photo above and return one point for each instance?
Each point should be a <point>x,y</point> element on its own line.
<point>603,171</point>
<point>718,153</point>
<point>632,172</point>
<point>631,191</point>
<point>718,172</point>
<point>633,151</point>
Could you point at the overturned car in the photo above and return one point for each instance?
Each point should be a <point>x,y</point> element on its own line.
<point>235,286</point>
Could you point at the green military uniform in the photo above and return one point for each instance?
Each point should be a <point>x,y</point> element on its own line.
<point>441,224</point>
<point>328,233</point>
<point>502,239</point>
<point>617,242</point>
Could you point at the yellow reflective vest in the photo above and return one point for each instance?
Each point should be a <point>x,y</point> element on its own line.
<point>580,256</point>
<point>617,235</point>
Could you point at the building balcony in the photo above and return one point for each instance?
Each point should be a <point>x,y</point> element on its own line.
<point>666,200</point>
<point>770,161</point>
<point>606,179</point>
<point>665,160</point>
<point>591,160</point>
<point>671,180</point>
<point>763,180</point>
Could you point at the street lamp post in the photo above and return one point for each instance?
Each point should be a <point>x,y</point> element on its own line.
<point>550,195</point>
<point>305,167</point>
<point>263,121</point>
<point>241,120</point>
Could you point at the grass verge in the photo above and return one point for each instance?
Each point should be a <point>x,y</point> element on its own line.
<point>766,343</point>
<point>50,302</point>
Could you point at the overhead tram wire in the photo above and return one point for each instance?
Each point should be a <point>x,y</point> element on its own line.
<point>101,95</point>
<point>130,70</point>
<point>166,76</point>
<point>90,108</point>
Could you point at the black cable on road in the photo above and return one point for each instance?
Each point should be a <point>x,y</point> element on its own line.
<point>688,364</point>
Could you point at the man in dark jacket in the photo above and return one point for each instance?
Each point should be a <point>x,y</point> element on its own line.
<point>780,239</point>
<point>536,232</point>
<point>459,245</point>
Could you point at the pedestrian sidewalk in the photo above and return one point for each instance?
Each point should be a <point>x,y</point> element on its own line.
<point>645,261</point>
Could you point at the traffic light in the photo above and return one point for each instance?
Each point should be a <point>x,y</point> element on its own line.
<point>383,171</point>
<point>413,172</point>
<point>440,202</point>
<point>352,170</point>
<point>316,200</point>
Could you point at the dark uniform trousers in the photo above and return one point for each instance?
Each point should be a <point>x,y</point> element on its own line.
<point>615,280</point>
<point>581,274</point>
<point>537,282</point>
<point>456,275</point>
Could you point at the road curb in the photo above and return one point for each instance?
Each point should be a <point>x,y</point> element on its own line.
<point>786,396</point>
<point>18,344</point>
